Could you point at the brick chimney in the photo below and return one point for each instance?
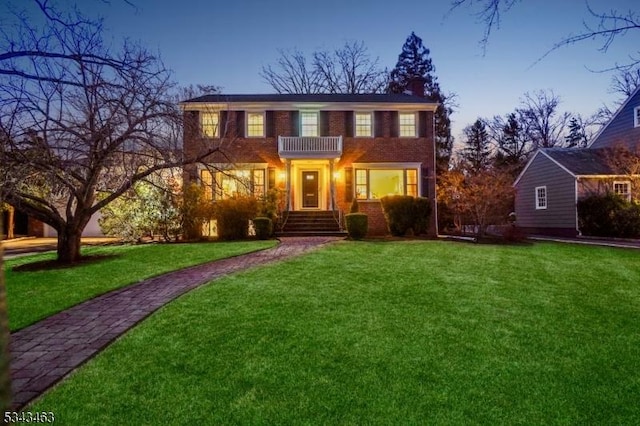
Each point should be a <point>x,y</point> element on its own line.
<point>416,85</point>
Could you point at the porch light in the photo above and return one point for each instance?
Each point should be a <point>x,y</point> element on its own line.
<point>336,175</point>
<point>282,176</point>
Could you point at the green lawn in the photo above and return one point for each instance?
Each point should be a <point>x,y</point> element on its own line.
<point>383,333</point>
<point>35,295</point>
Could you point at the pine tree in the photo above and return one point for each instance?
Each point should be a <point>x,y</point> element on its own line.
<point>414,61</point>
<point>477,151</point>
<point>577,137</point>
<point>514,146</point>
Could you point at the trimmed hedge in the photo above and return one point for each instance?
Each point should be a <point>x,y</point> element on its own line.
<point>609,215</point>
<point>233,217</point>
<point>404,212</point>
<point>264,227</point>
<point>357,225</point>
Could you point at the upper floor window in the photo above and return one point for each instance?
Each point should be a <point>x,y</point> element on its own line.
<point>210,124</point>
<point>255,124</point>
<point>407,125</point>
<point>623,189</point>
<point>541,197</point>
<point>363,124</point>
<point>636,116</point>
<point>309,123</point>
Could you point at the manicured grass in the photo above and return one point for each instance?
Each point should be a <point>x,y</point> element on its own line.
<point>34,295</point>
<point>383,333</point>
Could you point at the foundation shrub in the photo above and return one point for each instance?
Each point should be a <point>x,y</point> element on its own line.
<point>609,215</point>
<point>233,217</point>
<point>357,225</point>
<point>264,227</point>
<point>404,212</point>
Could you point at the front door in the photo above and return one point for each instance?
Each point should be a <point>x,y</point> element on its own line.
<point>310,189</point>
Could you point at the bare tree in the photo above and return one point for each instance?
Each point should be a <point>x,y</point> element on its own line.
<point>625,81</point>
<point>604,26</point>
<point>543,122</point>
<point>79,119</point>
<point>292,74</point>
<point>349,69</point>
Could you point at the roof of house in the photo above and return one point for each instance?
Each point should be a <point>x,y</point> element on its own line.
<point>576,161</point>
<point>582,162</point>
<point>621,108</point>
<point>313,98</point>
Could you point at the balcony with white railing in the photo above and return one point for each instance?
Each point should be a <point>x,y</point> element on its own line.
<point>292,147</point>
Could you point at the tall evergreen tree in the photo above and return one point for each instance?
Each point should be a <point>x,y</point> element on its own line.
<point>514,146</point>
<point>577,137</point>
<point>477,150</point>
<point>414,61</point>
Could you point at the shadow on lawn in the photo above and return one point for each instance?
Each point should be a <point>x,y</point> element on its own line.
<point>47,265</point>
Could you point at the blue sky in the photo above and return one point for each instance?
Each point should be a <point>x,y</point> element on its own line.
<point>226,43</point>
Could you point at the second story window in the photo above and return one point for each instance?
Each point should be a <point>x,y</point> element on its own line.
<point>309,123</point>
<point>407,125</point>
<point>636,116</point>
<point>363,124</point>
<point>210,124</point>
<point>255,124</point>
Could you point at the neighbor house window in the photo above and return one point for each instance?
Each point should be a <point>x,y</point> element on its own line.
<point>364,124</point>
<point>309,123</point>
<point>373,184</point>
<point>541,197</point>
<point>210,124</point>
<point>623,189</point>
<point>407,124</point>
<point>255,124</point>
<point>636,116</point>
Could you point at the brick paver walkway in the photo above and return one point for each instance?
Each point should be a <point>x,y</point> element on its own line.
<point>45,352</point>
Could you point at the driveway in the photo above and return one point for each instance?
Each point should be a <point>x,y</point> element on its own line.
<point>22,246</point>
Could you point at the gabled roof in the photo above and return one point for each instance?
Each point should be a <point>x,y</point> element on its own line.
<point>312,98</point>
<point>615,115</point>
<point>576,162</point>
<point>582,162</point>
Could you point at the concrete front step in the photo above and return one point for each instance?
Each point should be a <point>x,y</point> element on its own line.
<point>311,223</point>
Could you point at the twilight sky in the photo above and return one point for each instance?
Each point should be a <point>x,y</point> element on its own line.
<point>226,42</point>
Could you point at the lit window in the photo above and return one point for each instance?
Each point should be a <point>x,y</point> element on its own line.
<point>240,182</point>
<point>309,124</point>
<point>377,183</point>
<point>623,189</point>
<point>255,124</point>
<point>210,124</point>
<point>541,197</point>
<point>407,124</point>
<point>636,116</point>
<point>363,123</point>
<point>206,178</point>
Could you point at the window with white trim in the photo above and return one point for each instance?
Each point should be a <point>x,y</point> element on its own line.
<point>210,124</point>
<point>407,124</point>
<point>541,197</point>
<point>636,116</point>
<point>623,189</point>
<point>255,124</point>
<point>309,123</point>
<point>233,183</point>
<point>373,184</point>
<point>363,124</point>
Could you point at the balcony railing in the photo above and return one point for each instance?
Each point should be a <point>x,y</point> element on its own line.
<point>310,146</point>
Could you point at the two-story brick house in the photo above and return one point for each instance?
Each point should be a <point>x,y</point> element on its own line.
<point>322,150</point>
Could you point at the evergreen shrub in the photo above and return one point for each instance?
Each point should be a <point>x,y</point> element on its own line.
<point>357,225</point>
<point>264,227</point>
<point>233,217</point>
<point>404,212</point>
<point>609,215</point>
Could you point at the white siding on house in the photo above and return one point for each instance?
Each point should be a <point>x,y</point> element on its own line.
<point>561,209</point>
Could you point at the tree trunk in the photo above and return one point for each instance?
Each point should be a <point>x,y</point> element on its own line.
<point>5,371</point>
<point>69,244</point>
<point>10,222</point>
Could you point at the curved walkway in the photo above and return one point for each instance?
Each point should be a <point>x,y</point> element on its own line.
<point>45,352</point>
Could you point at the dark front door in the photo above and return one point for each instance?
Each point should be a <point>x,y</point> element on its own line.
<point>310,189</point>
